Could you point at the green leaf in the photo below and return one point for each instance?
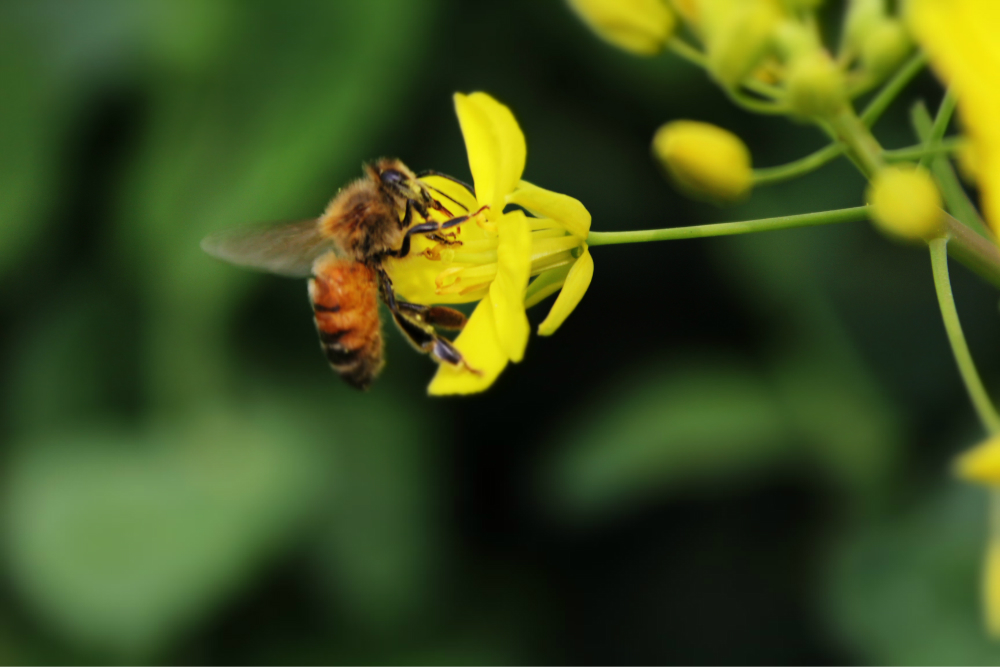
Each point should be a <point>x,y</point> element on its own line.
<point>679,429</point>
<point>123,540</point>
<point>906,590</point>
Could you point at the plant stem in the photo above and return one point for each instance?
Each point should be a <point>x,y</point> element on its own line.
<point>955,197</point>
<point>875,108</point>
<point>941,121</point>
<point>923,150</point>
<point>730,228</point>
<point>687,52</point>
<point>860,143</point>
<point>804,165</point>
<point>946,300</point>
<point>884,98</point>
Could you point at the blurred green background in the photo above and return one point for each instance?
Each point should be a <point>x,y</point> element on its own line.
<point>735,450</point>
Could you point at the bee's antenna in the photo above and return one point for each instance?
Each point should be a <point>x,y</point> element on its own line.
<point>431,172</point>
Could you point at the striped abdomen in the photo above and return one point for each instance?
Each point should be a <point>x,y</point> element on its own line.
<point>344,296</point>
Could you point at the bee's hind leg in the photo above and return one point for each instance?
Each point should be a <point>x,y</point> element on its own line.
<point>437,316</point>
<point>417,323</point>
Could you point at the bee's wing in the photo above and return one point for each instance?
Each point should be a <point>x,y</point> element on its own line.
<point>288,250</point>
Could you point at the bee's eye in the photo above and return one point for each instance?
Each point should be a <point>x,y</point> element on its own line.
<point>392,176</point>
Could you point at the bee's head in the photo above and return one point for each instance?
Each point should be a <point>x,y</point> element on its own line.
<point>395,178</point>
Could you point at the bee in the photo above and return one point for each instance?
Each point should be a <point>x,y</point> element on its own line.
<point>341,253</point>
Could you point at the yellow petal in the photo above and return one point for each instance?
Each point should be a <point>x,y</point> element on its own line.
<point>481,349</point>
<point>547,283</point>
<point>565,210</point>
<point>981,463</point>
<point>961,38</point>
<point>573,290</point>
<point>507,290</point>
<point>413,277</point>
<point>495,145</point>
<point>640,26</point>
<point>454,196</point>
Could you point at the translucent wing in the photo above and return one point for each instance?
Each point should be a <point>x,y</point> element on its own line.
<point>288,250</point>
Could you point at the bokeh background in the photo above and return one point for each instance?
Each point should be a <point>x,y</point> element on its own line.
<point>736,450</point>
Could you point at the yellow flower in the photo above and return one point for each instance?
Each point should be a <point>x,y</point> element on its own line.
<point>738,35</point>
<point>704,160</point>
<point>491,257</point>
<point>816,85</point>
<point>906,203</point>
<point>960,36</point>
<point>640,26</point>
<point>981,463</point>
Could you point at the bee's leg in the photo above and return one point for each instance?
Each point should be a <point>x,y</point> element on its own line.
<point>436,316</point>
<point>411,320</point>
<point>431,227</point>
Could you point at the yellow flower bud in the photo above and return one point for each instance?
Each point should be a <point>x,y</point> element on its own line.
<point>704,160</point>
<point>794,39</point>
<point>738,35</point>
<point>639,26</point>
<point>981,463</point>
<point>862,16</point>
<point>906,203</point>
<point>816,86</point>
<point>884,47</point>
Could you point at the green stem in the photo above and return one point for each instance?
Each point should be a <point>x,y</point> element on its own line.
<point>872,112</point>
<point>966,367</point>
<point>884,98</point>
<point>955,197</point>
<point>923,150</point>
<point>730,228</point>
<point>941,121</point>
<point>811,162</point>
<point>756,105</point>
<point>687,52</point>
<point>691,54</point>
<point>860,143</point>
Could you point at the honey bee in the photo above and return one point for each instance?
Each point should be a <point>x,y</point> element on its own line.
<point>341,254</point>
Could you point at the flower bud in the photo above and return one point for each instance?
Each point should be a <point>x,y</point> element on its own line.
<point>906,203</point>
<point>862,16</point>
<point>884,47</point>
<point>704,160</point>
<point>815,85</point>
<point>795,39</point>
<point>981,463</point>
<point>639,26</point>
<point>738,35</point>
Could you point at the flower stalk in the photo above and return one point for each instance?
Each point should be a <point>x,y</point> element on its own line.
<point>854,214</point>
<point>963,358</point>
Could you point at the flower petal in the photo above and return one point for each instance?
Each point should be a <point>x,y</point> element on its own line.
<point>547,283</point>
<point>565,210</point>
<point>981,463</point>
<point>454,196</point>
<point>507,290</point>
<point>573,290</point>
<point>495,145</point>
<point>960,38</point>
<point>481,349</point>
